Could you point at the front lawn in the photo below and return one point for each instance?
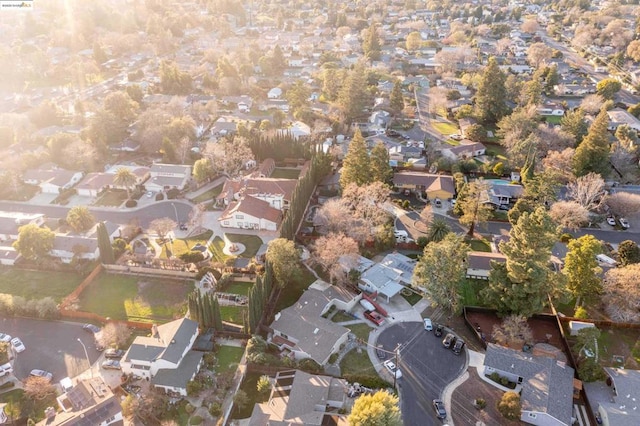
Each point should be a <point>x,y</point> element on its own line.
<point>480,245</point>
<point>184,245</point>
<point>20,407</point>
<point>112,198</point>
<point>228,358</point>
<point>444,127</point>
<point>357,364</point>
<point>208,195</point>
<point>294,290</point>
<point>411,296</point>
<point>233,314</point>
<point>36,284</point>
<point>252,243</point>
<point>283,173</point>
<point>360,330</point>
<point>136,299</point>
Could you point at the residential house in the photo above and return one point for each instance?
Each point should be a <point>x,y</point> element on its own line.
<point>466,149</point>
<point>431,185</point>
<point>275,93</point>
<point>501,193</point>
<point>551,109</point>
<point>277,192</point>
<point>141,174</point>
<point>251,213</point>
<point>303,332</point>
<point>546,384</point>
<point>479,264</point>
<point>300,398</point>
<point>404,152</point>
<point>298,130</point>
<point>168,176</point>
<point>52,180</point>
<point>165,358</point>
<point>389,276</point>
<point>619,117</point>
<point>623,407</point>
<point>266,168</point>
<point>464,124</point>
<point>94,183</point>
<point>68,247</point>
<point>89,403</point>
<point>10,223</point>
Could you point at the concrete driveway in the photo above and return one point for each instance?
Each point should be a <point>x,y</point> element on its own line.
<point>427,368</point>
<point>50,346</point>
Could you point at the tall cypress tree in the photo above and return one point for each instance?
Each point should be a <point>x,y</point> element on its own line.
<point>396,100</point>
<point>380,168</point>
<point>355,167</point>
<point>371,45</point>
<point>217,317</point>
<point>104,244</point>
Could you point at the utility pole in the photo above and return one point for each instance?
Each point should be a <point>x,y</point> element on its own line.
<point>395,373</point>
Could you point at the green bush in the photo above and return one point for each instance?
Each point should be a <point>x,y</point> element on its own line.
<point>504,381</point>
<point>193,387</point>
<point>566,237</point>
<point>373,382</point>
<point>581,313</point>
<point>495,377</point>
<point>590,371</point>
<point>406,204</point>
<point>131,203</point>
<point>480,403</point>
<point>310,366</point>
<point>215,409</point>
<point>189,408</point>
<point>195,420</point>
<point>422,242</point>
<point>192,257</point>
<point>159,196</point>
<point>172,194</point>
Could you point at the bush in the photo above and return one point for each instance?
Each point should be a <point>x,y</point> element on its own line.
<point>504,381</point>
<point>495,377</point>
<point>172,194</point>
<point>195,420</point>
<point>310,366</point>
<point>422,242</point>
<point>159,196</point>
<point>509,406</point>
<point>193,388</point>
<point>189,408</point>
<point>192,257</point>
<point>581,313</point>
<point>373,382</point>
<point>590,371</point>
<point>480,403</point>
<point>131,203</point>
<point>406,204</point>
<point>566,237</point>
<point>215,409</point>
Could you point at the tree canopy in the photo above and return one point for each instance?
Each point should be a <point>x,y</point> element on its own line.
<point>285,261</point>
<point>492,94</point>
<point>592,155</point>
<point>34,242</point>
<point>581,267</point>
<point>379,409</point>
<point>80,219</point>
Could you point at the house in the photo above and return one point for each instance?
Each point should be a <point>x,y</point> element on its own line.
<point>168,176</point>
<point>251,213</point>
<point>621,409</point>
<point>546,384</point>
<point>8,255</point>
<point>431,185</point>
<point>404,153</point>
<point>298,130</point>
<point>68,247</point>
<point>94,183</point>
<point>389,276</point>
<point>479,264</point>
<point>501,193</point>
<point>300,398</point>
<point>303,332</point>
<point>89,403</point>
<point>165,358</point>
<point>266,168</point>
<point>466,149</point>
<point>10,223</point>
<point>551,109</point>
<point>464,124</point>
<point>619,117</point>
<point>277,192</point>
<point>274,93</point>
<point>52,180</point>
<point>141,174</point>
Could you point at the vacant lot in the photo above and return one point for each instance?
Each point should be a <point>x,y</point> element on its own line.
<point>36,284</point>
<point>136,299</point>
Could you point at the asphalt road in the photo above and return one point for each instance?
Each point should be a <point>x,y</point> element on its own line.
<point>427,368</point>
<point>50,346</point>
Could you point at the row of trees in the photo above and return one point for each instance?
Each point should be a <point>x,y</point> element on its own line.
<point>259,296</point>
<point>205,309</point>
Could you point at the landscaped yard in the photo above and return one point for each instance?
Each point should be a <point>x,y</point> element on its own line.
<point>20,407</point>
<point>357,363</point>
<point>239,287</point>
<point>112,198</point>
<point>232,314</point>
<point>252,244</point>
<point>553,119</point>
<point>444,127</point>
<point>207,195</point>
<point>228,358</point>
<point>341,317</point>
<point>37,285</point>
<point>183,245</point>
<point>360,330</point>
<point>294,290</point>
<point>479,245</point>
<point>470,292</point>
<point>136,299</point>
<point>250,386</point>
<point>282,173</point>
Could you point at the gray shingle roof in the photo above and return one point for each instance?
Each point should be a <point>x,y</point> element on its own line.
<point>171,342</point>
<point>624,410</point>
<point>179,377</point>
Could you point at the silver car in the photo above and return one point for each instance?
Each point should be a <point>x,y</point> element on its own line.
<point>41,373</point>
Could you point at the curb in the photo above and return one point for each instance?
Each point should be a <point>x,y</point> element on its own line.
<point>448,391</point>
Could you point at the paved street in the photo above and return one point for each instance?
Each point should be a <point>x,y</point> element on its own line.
<point>51,346</point>
<point>427,368</point>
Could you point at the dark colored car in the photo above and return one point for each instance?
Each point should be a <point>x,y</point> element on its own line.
<point>438,406</point>
<point>449,340</point>
<point>458,347</point>
<point>91,328</point>
<point>381,353</point>
<point>438,330</point>
<point>113,353</point>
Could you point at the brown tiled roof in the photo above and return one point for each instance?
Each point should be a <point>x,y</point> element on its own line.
<point>430,181</point>
<point>252,207</point>
<point>271,186</point>
<point>96,181</point>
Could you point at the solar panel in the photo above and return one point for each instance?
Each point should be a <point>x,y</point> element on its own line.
<point>78,397</point>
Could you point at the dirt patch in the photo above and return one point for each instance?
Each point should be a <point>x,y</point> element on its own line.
<point>463,411</point>
<point>543,331</point>
<point>456,324</point>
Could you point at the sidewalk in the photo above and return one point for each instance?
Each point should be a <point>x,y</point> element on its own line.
<point>219,181</point>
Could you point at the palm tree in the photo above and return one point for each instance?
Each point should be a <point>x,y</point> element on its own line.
<point>124,177</point>
<point>438,230</point>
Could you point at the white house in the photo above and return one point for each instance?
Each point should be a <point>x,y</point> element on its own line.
<point>298,130</point>
<point>165,358</point>
<point>251,213</point>
<point>551,109</point>
<point>10,223</point>
<point>619,117</point>
<point>389,276</point>
<point>274,93</point>
<point>52,181</point>
<point>168,176</point>
<point>94,183</point>
<point>66,247</point>
<point>466,149</point>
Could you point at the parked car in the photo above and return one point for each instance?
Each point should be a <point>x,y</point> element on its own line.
<point>149,194</point>
<point>381,353</point>
<point>624,223</point>
<point>374,317</point>
<point>393,369</point>
<point>6,368</point>
<point>449,340</point>
<point>458,347</point>
<point>428,325</point>
<point>5,338</point>
<point>17,345</point>
<point>456,137</point>
<point>611,220</point>
<point>438,406</point>
<point>90,328</point>
<point>112,353</point>
<point>41,373</point>
<point>438,330</point>
<point>183,227</point>
<point>111,364</point>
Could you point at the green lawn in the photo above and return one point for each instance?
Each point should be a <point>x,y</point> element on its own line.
<point>357,364</point>
<point>208,195</point>
<point>553,119</point>
<point>183,245</point>
<point>294,290</point>
<point>228,358</point>
<point>232,314</point>
<point>112,198</point>
<point>360,330</point>
<point>341,317</point>
<point>495,150</point>
<point>216,246</point>
<point>251,243</point>
<point>444,127</point>
<point>36,284</point>
<point>20,407</point>
<point>470,292</point>
<point>250,386</point>
<point>239,287</point>
<point>480,245</point>
<point>136,299</point>
<point>282,173</point>
<point>411,296</point>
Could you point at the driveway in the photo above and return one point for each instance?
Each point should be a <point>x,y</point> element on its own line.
<point>51,346</point>
<point>427,368</point>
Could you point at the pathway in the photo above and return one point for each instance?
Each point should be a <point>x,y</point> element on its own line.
<point>334,369</point>
<point>219,181</point>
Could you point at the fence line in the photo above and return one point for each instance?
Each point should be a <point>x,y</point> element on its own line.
<point>139,270</point>
<point>76,292</point>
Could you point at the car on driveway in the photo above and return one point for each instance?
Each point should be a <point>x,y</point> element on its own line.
<point>90,328</point>
<point>428,325</point>
<point>611,220</point>
<point>5,338</point>
<point>183,227</point>
<point>458,347</point>
<point>374,317</point>
<point>393,369</point>
<point>112,353</point>
<point>41,373</point>
<point>111,364</point>
<point>6,368</point>
<point>438,330</point>
<point>624,223</point>
<point>17,345</point>
<point>438,406</point>
<point>149,194</point>
<point>449,340</point>
<point>456,137</point>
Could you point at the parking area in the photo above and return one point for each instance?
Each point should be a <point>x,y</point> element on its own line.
<point>50,346</point>
<point>427,368</point>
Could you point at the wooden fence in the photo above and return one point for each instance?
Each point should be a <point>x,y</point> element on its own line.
<point>139,270</point>
<point>76,293</point>
<point>90,316</point>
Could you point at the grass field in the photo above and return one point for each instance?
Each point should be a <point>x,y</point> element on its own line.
<point>281,173</point>
<point>207,195</point>
<point>36,284</point>
<point>112,198</point>
<point>20,407</point>
<point>446,128</point>
<point>228,358</point>
<point>136,299</point>
<point>232,314</point>
<point>294,290</point>
<point>239,287</point>
<point>183,245</point>
<point>357,364</point>
<point>360,330</point>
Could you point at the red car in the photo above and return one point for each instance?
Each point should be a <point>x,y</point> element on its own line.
<point>374,317</point>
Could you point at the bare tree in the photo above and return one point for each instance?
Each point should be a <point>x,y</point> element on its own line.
<point>162,226</point>
<point>336,254</point>
<point>333,216</point>
<point>569,214</point>
<point>437,99</point>
<point>591,104</point>
<point>561,162</point>
<point>114,334</point>
<point>587,190</point>
<point>623,203</point>
<point>622,293</point>
<point>530,26</point>
<point>624,161</point>
<point>514,330</point>
<point>38,388</point>
<point>538,53</point>
<point>229,157</point>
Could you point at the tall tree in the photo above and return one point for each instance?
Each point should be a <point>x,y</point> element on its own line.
<point>442,271</point>
<point>379,409</point>
<point>622,293</point>
<point>162,226</point>
<point>581,268</point>
<point>355,166</point>
<point>574,123</point>
<point>125,177</point>
<point>80,219</point>
<point>474,204</point>
<point>438,229</point>
<point>492,94</point>
<point>33,242</point>
<point>285,261</point>
<point>523,283</point>
<point>608,87</point>
<point>353,94</point>
<point>336,254</point>
<point>371,44</point>
<point>592,155</point>
<point>396,100</point>
<point>629,252</point>
<point>379,166</point>
<point>104,244</point>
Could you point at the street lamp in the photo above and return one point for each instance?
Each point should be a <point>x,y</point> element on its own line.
<point>87,355</point>
<point>176,212</point>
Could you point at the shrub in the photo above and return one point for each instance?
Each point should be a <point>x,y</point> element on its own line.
<point>590,371</point>
<point>172,194</point>
<point>215,409</point>
<point>495,377</point>
<point>47,308</point>
<point>189,408</point>
<point>159,196</point>
<point>422,242</point>
<point>195,420</point>
<point>193,388</point>
<point>581,313</point>
<point>509,405</point>
<point>566,237</point>
<point>504,381</point>
<point>264,384</point>
<point>406,204</point>
<point>131,203</point>
<point>480,403</point>
<point>310,366</point>
<point>192,257</point>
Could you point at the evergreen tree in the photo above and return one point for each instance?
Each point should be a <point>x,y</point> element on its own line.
<point>581,268</point>
<point>353,96</point>
<point>379,166</point>
<point>473,204</point>
<point>593,153</point>
<point>574,123</point>
<point>355,166</point>
<point>104,244</point>
<point>217,317</point>
<point>396,100</point>
<point>492,94</point>
<point>371,44</point>
<point>629,252</point>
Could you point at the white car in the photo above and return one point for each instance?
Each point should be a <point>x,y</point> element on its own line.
<point>456,137</point>
<point>6,368</point>
<point>5,338</point>
<point>428,325</point>
<point>393,369</point>
<point>17,345</point>
<point>611,220</point>
<point>149,194</point>
<point>624,223</point>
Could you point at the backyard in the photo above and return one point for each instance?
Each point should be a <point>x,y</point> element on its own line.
<point>294,290</point>
<point>282,173</point>
<point>36,284</point>
<point>112,198</point>
<point>239,287</point>
<point>136,299</point>
<point>20,407</point>
<point>233,314</point>
<point>228,358</point>
<point>250,386</point>
<point>444,127</point>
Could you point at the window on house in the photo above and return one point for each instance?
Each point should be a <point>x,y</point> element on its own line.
<point>226,222</point>
<point>239,216</point>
